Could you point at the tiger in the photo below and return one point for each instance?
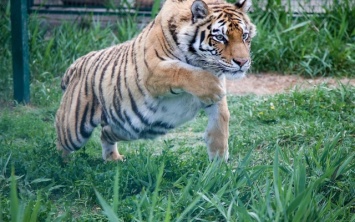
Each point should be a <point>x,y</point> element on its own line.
<point>175,67</point>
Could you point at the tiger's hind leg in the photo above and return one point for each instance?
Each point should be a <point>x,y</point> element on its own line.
<point>75,120</point>
<point>109,145</point>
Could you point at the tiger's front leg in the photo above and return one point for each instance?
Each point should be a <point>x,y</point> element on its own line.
<point>169,76</point>
<point>217,132</point>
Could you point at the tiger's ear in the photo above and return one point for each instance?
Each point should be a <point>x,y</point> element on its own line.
<point>199,10</point>
<point>244,5</point>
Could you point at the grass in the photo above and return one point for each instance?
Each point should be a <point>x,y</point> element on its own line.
<point>292,159</point>
<point>306,44</point>
<point>292,155</point>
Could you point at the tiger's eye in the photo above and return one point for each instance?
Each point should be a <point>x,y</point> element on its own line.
<point>219,37</point>
<point>245,36</point>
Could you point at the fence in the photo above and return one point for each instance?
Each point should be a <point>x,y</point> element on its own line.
<point>74,6</point>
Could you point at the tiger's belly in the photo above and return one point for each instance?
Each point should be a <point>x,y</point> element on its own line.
<point>150,119</point>
<point>178,109</point>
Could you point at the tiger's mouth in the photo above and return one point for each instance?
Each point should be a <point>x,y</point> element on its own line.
<point>234,68</point>
<point>232,72</point>
<point>233,75</point>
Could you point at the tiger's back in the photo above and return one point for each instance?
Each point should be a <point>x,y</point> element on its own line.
<point>149,85</point>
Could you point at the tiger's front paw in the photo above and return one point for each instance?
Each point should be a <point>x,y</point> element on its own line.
<point>210,89</point>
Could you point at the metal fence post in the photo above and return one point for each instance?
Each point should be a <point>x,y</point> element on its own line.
<point>20,53</point>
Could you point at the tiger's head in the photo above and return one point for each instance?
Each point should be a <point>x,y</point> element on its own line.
<point>221,39</point>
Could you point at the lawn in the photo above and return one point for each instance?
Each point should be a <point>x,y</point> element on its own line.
<point>292,155</point>
<point>292,159</point>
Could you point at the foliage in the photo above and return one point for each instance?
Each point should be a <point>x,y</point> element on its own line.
<point>292,155</point>
<point>310,44</point>
<point>292,159</point>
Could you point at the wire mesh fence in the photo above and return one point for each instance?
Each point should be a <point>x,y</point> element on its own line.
<point>104,6</point>
<point>92,5</point>
<point>297,6</point>
<point>311,6</point>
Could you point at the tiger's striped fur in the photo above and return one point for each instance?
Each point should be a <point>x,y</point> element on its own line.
<point>159,80</point>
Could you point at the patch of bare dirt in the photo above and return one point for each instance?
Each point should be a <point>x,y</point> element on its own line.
<point>268,83</point>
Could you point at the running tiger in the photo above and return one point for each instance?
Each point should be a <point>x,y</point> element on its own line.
<point>159,80</point>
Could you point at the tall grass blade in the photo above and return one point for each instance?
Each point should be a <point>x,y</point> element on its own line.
<point>168,210</point>
<point>5,166</point>
<point>108,211</point>
<point>116,191</point>
<point>1,218</point>
<point>243,212</point>
<point>35,210</point>
<point>277,182</point>
<point>344,166</point>
<point>188,209</point>
<point>299,25</point>
<point>303,206</point>
<point>156,192</point>
<point>300,177</point>
<point>14,201</point>
<point>155,8</point>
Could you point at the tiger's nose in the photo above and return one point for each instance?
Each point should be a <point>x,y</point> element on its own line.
<point>240,61</point>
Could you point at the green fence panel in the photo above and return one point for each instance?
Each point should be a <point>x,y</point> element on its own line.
<point>20,53</point>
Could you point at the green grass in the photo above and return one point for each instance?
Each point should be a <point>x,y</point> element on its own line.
<point>292,155</point>
<point>306,44</point>
<point>292,159</point>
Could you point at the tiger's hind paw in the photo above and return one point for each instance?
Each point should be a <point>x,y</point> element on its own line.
<point>64,154</point>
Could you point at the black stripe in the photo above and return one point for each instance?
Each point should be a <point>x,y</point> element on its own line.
<point>88,71</point>
<point>119,76</point>
<point>86,134</point>
<point>222,23</point>
<point>161,58</point>
<point>219,16</point>
<point>77,111</point>
<point>103,73</point>
<point>145,133</point>
<point>202,36</point>
<point>165,36</point>
<point>94,105</point>
<point>125,61</point>
<point>107,137</point>
<point>72,146</point>
<point>119,49</point>
<point>162,125</point>
<point>134,61</point>
<point>95,65</point>
<point>60,136</point>
<point>136,111</point>
<point>168,50</point>
<point>191,48</point>
<point>69,103</point>
<point>129,121</point>
<point>172,29</point>
<point>117,109</point>
<point>117,123</point>
<point>172,92</point>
